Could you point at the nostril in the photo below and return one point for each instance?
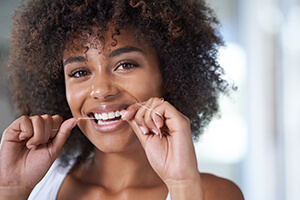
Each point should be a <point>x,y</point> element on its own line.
<point>103,90</point>
<point>109,95</point>
<point>102,94</point>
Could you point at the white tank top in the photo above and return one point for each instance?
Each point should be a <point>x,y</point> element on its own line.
<point>48,187</point>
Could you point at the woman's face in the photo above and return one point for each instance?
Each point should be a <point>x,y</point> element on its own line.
<point>106,79</point>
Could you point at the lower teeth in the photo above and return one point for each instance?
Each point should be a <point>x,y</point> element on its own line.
<point>100,122</point>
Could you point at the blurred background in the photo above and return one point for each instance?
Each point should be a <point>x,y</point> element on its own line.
<point>256,142</point>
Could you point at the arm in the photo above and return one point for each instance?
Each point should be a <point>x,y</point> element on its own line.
<point>28,148</point>
<point>173,156</point>
<point>187,189</point>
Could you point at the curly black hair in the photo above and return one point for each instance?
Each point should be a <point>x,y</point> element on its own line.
<point>183,33</point>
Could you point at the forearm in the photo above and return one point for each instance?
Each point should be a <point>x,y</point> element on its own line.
<point>191,189</point>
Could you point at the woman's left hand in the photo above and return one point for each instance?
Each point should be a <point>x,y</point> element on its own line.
<point>172,156</point>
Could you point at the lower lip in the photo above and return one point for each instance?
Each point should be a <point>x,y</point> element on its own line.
<point>108,128</point>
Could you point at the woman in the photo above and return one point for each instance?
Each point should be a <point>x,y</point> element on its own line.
<point>139,79</point>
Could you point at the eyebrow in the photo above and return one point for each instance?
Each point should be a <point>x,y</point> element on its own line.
<point>125,49</point>
<point>74,59</point>
<point>114,53</point>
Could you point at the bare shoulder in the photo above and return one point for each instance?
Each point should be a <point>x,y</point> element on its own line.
<point>220,188</point>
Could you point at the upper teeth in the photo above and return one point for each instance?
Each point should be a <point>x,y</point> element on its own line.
<point>106,116</point>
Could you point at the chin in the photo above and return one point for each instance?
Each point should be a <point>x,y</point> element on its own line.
<point>116,143</point>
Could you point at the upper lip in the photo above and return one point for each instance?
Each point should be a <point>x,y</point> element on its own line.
<point>106,108</point>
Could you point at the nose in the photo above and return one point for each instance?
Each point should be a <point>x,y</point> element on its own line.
<point>103,87</point>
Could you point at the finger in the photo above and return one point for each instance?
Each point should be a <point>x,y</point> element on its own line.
<point>130,112</point>
<point>173,119</point>
<point>61,137</point>
<point>19,130</point>
<point>143,119</point>
<point>25,128</point>
<point>57,120</point>
<point>139,132</point>
<point>139,116</point>
<point>148,121</point>
<point>158,120</point>
<point>48,124</point>
<point>143,113</point>
<point>156,115</point>
<point>38,131</point>
<point>144,129</point>
<point>154,118</point>
<point>151,115</point>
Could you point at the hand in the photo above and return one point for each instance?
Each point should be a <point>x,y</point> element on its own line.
<point>28,148</point>
<point>171,156</point>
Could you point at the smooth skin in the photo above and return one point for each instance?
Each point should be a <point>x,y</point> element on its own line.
<point>131,160</point>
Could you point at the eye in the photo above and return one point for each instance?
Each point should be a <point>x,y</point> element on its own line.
<point>126,66</point>
<point>79,73</point>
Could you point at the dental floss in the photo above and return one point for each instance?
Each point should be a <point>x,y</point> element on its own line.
<point>150,109</point>
<point>87,118</point>
<point>144,105</point>
<point>79,118</point>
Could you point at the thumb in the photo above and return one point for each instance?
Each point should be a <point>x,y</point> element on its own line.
<point>62,136</point>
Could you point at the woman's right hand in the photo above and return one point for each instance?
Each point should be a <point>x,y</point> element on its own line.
<point>28,148</point>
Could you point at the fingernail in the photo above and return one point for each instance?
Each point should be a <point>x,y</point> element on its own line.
<point>123,113</point>
<point>156,123</point>
<point>144,130</point>
<point>75,123</point>
<point>69,121</point>
<point>30,146</point>
<point>22,136</point>
<point>155,131</point>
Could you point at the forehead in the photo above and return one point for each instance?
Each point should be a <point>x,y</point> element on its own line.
<point>105,42</point>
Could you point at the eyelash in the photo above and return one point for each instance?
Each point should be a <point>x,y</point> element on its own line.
<point>127,65</point>
<point>79,73</point>
<point>83,72</point>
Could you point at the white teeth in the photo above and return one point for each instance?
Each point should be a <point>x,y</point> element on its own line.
<point>106,116</point>
<point>111,115</point>
<point>98,116</point>
<point>100,122</point>
<point>117,114</point>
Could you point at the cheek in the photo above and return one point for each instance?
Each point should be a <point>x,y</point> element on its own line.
<point>75,98</point>
<point>155,82</point>
<point>145,86</point>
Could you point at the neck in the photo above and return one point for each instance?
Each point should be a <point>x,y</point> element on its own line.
<point>118,171</point>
